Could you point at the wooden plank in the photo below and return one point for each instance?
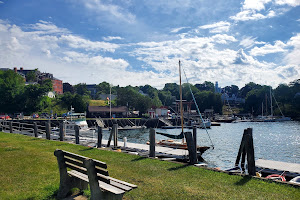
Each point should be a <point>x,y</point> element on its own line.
<point>104,186</point>
<point>77,168</point>
<point>121,186</point>
<point>74,162</point>
<point>122,182</point>
<point>281,166</point>
<point>82,158</point>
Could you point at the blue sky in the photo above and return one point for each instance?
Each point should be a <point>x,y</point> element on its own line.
<point>138,42</point>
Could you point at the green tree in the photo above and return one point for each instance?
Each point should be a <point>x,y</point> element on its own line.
<point>206,86</point>
<point>11,90</point>
<point>81,89</point>
<point>173,88</point>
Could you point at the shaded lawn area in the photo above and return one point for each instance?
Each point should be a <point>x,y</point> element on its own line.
<point>29,171</point>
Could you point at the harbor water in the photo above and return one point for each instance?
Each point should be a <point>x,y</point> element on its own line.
<point>278,141</point>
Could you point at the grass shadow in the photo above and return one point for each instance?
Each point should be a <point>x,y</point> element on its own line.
<point>90,148</point>
<point>243,181</point>
<point>179,167</point>
<point>138,159</point>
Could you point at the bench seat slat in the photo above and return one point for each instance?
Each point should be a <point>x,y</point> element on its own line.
<point>123,182</point>
<point>102,184</point>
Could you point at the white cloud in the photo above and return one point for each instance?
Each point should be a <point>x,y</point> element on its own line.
<point>255,4</point>
<point>110,38</point>
<point>293,3</point>
<point>44,27</point>
<point>176,30</point>
<point>292,57</point>
<point>1,2</point>
<point>109,10</point>
<point>279,46</point>
<point>248,42</point>
<point>78,42</point>
<point>218,27</point>
<point>262,9</point>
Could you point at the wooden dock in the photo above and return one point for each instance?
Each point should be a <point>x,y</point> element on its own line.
<point>276,165</point>
<point>158,149</point>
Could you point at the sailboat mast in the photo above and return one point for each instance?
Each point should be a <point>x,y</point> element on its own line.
<point>180,92</point>
<point>271,102</point>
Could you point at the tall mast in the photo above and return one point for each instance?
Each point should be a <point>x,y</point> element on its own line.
<point>180,92</point>
<point>271,102</point>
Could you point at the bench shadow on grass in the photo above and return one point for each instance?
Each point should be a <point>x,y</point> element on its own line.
<point>179,167</point>
<point>138,159</point>
<point>243,181</point>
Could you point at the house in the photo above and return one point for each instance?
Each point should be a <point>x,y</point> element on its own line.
<point>158,112</point>
<point>104,111</point>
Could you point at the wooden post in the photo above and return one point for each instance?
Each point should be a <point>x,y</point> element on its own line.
<point>10,127</point>
<point>110,136</point>
<point>61,131</point>
<point>76,134</point>
<point>247,150</point>
<point>250,153</point>
<point>96,192</point>
<point>35,129</point>
<point>99,137</point>
<point>195,137</point>
<point>152,143</point>
<point>191,148</point>
<point>115,127</point>
<point>48,130</point>
<point>241,149</point>
<point>65,181</point>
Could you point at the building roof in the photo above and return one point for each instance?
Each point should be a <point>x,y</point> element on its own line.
<point>107,109</point>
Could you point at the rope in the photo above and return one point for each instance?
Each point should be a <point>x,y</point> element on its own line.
<point>198,109</point>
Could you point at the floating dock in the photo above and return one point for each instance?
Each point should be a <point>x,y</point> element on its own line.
<point>277,165</point>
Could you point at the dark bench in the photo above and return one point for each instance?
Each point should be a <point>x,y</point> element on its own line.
<point>85,171</point>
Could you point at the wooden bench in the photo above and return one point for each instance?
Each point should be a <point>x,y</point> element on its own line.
<point>85,171</point>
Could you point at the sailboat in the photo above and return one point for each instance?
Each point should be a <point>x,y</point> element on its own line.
<point>177,144</point>
<point>271,117</point>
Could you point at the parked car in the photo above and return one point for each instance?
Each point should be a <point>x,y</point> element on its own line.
<point>35,115</point>
<point>18,116</point>
<point>4,117</point>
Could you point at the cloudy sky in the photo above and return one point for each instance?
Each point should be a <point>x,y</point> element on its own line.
<point>138,42</point>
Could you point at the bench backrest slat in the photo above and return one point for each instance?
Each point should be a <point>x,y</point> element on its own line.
<point>77,168</point>
<point>74,162</point>
<point>82,158</point>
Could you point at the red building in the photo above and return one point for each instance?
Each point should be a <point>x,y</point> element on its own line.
<point>57,86</point>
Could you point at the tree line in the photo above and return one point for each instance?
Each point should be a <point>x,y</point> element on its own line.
<point>18,97</point>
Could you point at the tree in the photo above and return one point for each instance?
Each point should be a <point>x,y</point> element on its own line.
<point>206,86</point>
<point>67,87</point>
<point>11,90</point>
<point>173,88</point>
<point>81,89</point>
<point>103,88</point>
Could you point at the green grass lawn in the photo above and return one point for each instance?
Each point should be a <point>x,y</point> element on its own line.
<point>28,170</point>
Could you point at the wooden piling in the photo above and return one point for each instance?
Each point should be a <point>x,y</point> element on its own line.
<point>250,155</point>
<point>152,143</point>
<point>110,136</point>
<point>10,127</point>
<point>195,137</point>
<point>191,148</point>
<point>61,131</point>
<point>247,150</point>
<point>48,130</point>
<point>35,129</point>
<point>99,131</point>
<point>76,134</point>
<point>115,128</point>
